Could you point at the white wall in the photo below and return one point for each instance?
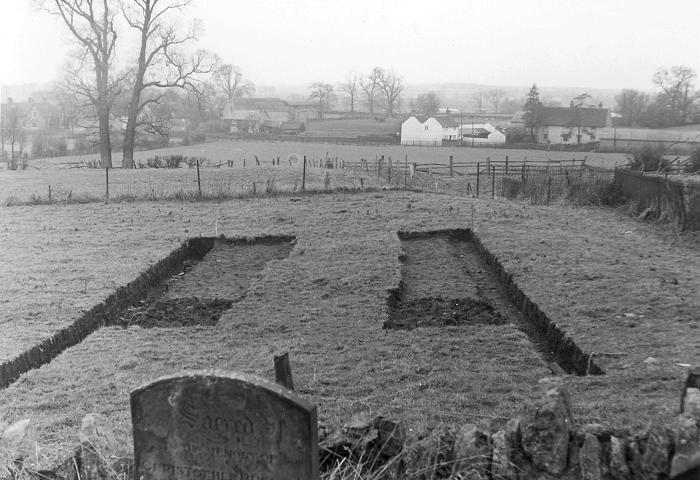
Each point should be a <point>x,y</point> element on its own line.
<point>555,135</point>
<point>450,133</point>
<point>415,132</point>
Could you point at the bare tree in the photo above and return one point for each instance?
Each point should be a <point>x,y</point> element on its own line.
<point>631,105</point>
<point>391,85</point>
<point>495,95</point>
<point>427,103</point>
<point>12,131</point>
<point>479,98</point>
<point>229,79</point>
<point>91,23</point>
<point>677,85</point>
<point>324,93</point>
<point>369,87</point>
<point>351,87</point>
<point>160,63</point>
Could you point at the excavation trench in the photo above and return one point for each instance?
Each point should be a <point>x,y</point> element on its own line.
<point>193,285</point>
<point>450,278</point>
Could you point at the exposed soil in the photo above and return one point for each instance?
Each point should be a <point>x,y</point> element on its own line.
<point>447,281</point>
<point>432,312</point>
<point>227,270</point>
<point>208,287</point>
<point>179,312</point>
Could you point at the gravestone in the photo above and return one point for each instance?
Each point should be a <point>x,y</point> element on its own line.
<point>222,426</point>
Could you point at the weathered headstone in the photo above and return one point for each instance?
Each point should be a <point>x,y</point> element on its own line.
<point>222,426</point>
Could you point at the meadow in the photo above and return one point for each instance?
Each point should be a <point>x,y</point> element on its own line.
<point>624,290</point>
<point>65,179</point>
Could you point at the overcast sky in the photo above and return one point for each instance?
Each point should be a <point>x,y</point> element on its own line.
<point>592,43</point>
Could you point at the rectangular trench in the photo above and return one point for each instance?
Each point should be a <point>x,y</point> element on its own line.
<point>450,278</point>
<point>193,285</point>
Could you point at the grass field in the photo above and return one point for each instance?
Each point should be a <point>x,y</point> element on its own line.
<point>361,126</point>
<point>624,290</point>
<point>34,182</point>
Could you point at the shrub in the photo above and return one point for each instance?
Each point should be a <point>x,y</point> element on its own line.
<point>517,135</point>
<point>173,161</point>
<point>648,159</point>
<point>693,163</point>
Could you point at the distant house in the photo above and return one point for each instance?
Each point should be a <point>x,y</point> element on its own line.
<point>424,130</point>
<point>250,114</point>
<point>304,111</point>
<point>563,125</point>
<point>33,115</point>
<point>481,133</point>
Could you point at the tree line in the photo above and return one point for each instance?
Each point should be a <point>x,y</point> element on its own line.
<point>675,104</point>
<point>381,89</point>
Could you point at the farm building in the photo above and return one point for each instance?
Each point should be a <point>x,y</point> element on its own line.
<point>564,125</point>
<point>250,114</point>
<point>304,111</point>
<point>685,140</point>
<point>424,130</point>
<point>482,133</point>
<point>292,127</point>
<point>33,115</point>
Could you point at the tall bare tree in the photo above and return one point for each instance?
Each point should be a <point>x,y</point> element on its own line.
<point>160,63</point>
<point>495,95</point>
<point>479,98</point>
<point>92,25</point>
<point>677,85</point>
<point>369,87</point>
<point>351,86</point>
<point>323,92</point>
<point>391,84</point>
<point>229,79</point>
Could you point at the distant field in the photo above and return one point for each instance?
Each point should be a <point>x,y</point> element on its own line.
<point>238,150</point>
<point>65,179</point>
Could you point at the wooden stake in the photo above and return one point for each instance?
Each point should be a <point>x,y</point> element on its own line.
<point>283,371</point>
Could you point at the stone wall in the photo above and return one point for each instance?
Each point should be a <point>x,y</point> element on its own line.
<point>543,443</point>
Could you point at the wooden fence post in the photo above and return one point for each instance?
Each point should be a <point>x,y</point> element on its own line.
<point>405,172</point>
<point>493,181</point>
<point>106,183</point>
<point>303,176</point>
<point>549,188</point>
<point>199,182</point>
<point>478,172</point>
<point>283,371</point>
<point>49,193</point>
<point>451,166</point>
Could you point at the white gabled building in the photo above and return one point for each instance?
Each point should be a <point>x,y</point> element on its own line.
<point>424,130</point>
<point>481,133</point>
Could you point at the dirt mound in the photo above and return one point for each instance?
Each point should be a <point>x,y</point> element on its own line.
<point>439,312</point>
<point>175,312</point>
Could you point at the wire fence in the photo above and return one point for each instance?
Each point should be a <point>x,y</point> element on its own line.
<point>540,182</point>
